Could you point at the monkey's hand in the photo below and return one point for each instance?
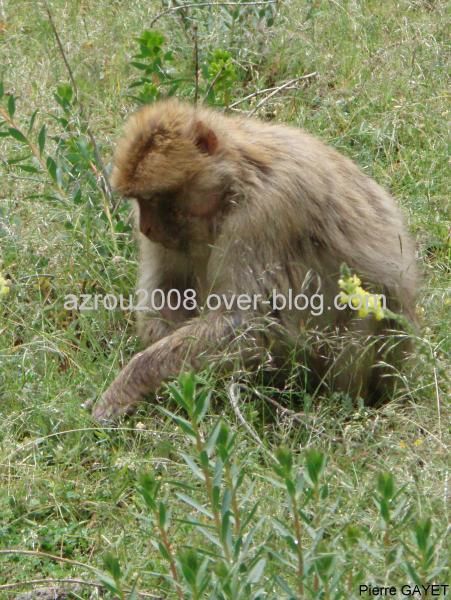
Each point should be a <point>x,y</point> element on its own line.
<point>136,380</point>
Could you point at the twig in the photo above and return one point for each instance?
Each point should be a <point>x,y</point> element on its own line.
<point>39,440</point>
<point>39,554</point>
<point>279,89</point>
<point>51,582</point>
<point>212,4</point>
<point>75,563</point>
<point>48,582</point>
<point>437,397</point>
<point>296,416</point>
<point>249,96</point>
<point>234,396</point>
<point>105,181</point>
<point>46,555</point>
<point>196,64</point>
<point>212,83</point>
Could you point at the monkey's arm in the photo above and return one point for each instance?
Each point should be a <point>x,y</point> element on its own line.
<point>190,346</point>
<point>161,289</point>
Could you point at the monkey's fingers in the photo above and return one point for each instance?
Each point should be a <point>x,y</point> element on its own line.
<point>111,406</point>
<point>126,391</point>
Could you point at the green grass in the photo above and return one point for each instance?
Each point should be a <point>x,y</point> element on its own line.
<point>69,488</point>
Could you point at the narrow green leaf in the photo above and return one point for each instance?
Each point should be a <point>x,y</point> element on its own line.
<point>190,564</point>
<point>218,471</point>
<point>226,501</point>
<point>201,405</point>
<point>18,135</point>
<point>249,516</point>
<point>201,578</point>
<point>384,510</point>
<point>111,564</point>
<point>204,460</point>
<point>163,516</point>
<point>108,582</point>
<point>285,587</point>
<point>315,462</point>
<point>386,485</point>
<point>133,593</point>
<point>138,65</point>
<point>226,529</point>
<point>51,168</point>
<point>148,488</point>
<point>32,120</point>
<point>177,395</point>
<point>291,488</point>
<point>422,533</point>
<point>324,565</point>
<point>77,197</point>
<point>210,443</point>
<point>188,386</point>
<point>28,168</point>
<point>11,106</point>
<point>285,459</point>
<point>59,176</point>
<point>216,497</point>
<point>413,574</point>
<point>184,425</point>
<point>194,504</point>
<point>255,574</point>
<point>193,466</point>
<point>17,159</point>
<point>42,138</point>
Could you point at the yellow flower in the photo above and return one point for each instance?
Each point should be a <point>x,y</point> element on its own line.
<point>379,313</point>
<point>4,286</point>
<point>363,312</point>
<point>365,303</point>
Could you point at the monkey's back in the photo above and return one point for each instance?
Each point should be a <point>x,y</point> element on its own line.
<point>309,205</point>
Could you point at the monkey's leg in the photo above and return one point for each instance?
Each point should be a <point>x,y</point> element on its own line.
<point>154,326</point>
<point>191,346</point>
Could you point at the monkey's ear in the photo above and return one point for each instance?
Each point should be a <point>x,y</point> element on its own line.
<point>206,139</point>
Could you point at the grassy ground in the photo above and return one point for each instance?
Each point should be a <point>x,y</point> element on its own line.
<point>68,488</point>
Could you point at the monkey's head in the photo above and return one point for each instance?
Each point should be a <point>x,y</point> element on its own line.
<point>169,161</point>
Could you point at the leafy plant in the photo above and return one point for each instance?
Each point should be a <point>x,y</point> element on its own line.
<point>156,67</point>
<point>64,162</point>
<point>220,76</point>
<point>231,548</point>
<point>159,77</point>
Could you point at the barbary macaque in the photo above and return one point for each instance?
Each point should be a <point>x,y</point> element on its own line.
<point>231,208</point>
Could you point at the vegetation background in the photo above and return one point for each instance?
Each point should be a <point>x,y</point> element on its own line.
<point>285,495</point>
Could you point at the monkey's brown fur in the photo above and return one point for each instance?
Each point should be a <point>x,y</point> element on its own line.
<point>236,206</point>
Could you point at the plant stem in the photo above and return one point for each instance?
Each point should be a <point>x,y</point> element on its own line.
<point>209,486</point>
<point>298,531</point>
